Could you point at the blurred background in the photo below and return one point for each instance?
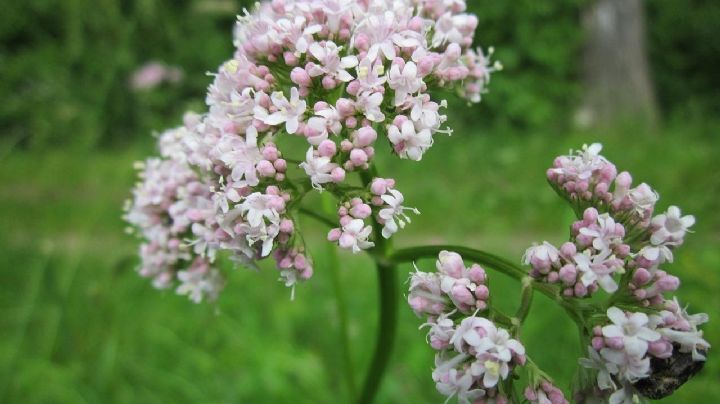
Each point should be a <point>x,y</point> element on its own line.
<point>85,85</point>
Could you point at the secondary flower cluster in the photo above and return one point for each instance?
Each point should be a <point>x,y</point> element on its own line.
<point>171,203</point>
<point>474,354</point>
<point>618,246</point>
<point>622,351</point>
<point>340,75</point>
<point>616,234</point>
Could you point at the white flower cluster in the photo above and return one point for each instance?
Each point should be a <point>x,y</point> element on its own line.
<point>618,245</point>
<point>621,351</point>
<point>474,355</point>
<point>171,203</point>
<point>625,237</point>
<point>340,74</point>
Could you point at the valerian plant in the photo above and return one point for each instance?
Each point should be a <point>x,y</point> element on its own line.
<point>344,75</point>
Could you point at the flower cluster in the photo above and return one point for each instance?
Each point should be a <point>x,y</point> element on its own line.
<point>618,245</point>
<point>171,203</point>
<point>616,234</point>
<point>625,351</point>
<point>474,354</point>
<point>545,393</point>
<point>339,75</point>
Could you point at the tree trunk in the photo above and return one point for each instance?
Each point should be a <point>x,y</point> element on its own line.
<point>615,66</point>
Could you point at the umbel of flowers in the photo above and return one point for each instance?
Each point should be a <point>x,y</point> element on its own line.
<point>641,343</point>
<point>340,74</point>
<point>312,87</point>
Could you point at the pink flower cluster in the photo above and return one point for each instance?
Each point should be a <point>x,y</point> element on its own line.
<point>624,238</point>
<point>338,74</point>
<point>474,354</point>
<point>586,179</point>
<point>169,203</point>
<point>621,351</point>
<point>545,393</point>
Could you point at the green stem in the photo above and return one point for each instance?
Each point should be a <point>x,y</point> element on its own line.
<point>387,282</point>
<point>481,257</point>
<point>319,217</point>
<point>333,264</point>
<point>387,294</point>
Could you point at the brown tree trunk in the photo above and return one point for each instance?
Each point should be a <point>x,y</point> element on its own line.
<point>616,75</point>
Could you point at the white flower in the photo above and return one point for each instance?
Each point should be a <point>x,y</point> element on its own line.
<point>632,329</point>
<point>318,168</point>
<point>494,355</point>
<point>643,199</point>
<point>630,367</point>
<point>371,76</point>
<point>582,165</point>
<point>394,214</point>
<point>355,236</point>
<point>257,207</point>
<point>264,233</point>
<point>241,156</point>
<point>541,256</point>
<point>604,369</point>
<point>369,104</point>
<point>425,113</point>
<point>657,254</point>
<point>450,381</point>
<point>199,281</point>
<point>670,226</point>
<point>405,82</point>
<point>446,30</point>
<point>331,64</point>
<point>289,111</point>
<point>603,234</point>
<point>409,142</point>
<point>595,269</point>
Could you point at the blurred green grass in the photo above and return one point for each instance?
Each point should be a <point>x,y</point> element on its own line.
<point>78,325</point>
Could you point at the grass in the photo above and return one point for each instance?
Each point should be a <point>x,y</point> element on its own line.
<point>78,325</point>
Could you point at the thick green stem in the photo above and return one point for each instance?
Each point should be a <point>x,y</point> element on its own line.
<point>387,294</point>
<point>340,304</point>
<point>387,282</point>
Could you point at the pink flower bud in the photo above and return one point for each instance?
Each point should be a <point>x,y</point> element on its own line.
<point>265,168</point>
<point>346,145</point>
<point>450,263</point>
<point>337,175</point>
<point>290,58</point>
<point>365,136</point>
<point>270,153</point>
<point>300,77</point>
<point>334,234</point>
<point>358,157</point>
<point>378,186</point>
<point>329,83</point>
<point>287,226</point>
<point>590,215</point>
<point>482,292</point>
<point>353,88</point>
<point>568,274</point>
<point>477,274</point>
<point>623,180</point>
<point>280,165</point>
<point>345,107</point>
<point>327,148</point>
<point>568,249</point>
<point>361,211</point>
